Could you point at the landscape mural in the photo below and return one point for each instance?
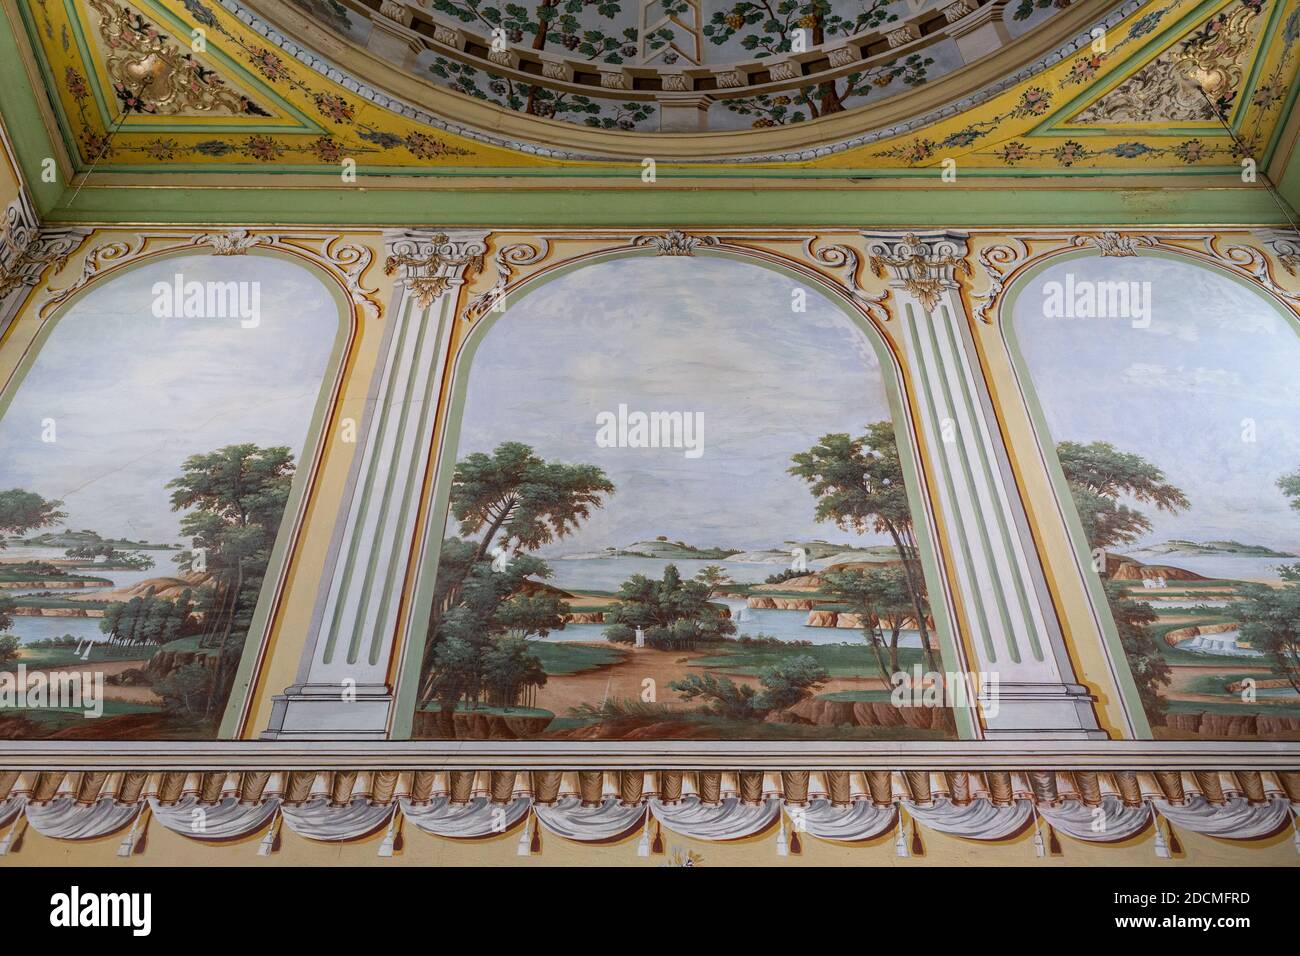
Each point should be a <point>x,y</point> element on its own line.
<point>1176,422</point>
<point>678,510</point>
<point>146,460</point>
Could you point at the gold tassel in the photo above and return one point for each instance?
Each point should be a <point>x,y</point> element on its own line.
<point>917,848</point>
<point>536,845</point>
<point>796,846</point>
<point>13,840</point>
<point>657,847</point>
<point>1054,845</point>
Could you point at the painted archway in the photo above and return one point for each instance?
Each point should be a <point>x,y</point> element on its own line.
<point>541,373</point>
<point>204,487</point>
<point>1168,439</point>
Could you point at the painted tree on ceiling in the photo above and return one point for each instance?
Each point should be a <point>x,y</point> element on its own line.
<point>572,24</point>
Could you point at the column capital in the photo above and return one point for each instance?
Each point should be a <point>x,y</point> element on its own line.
<point>924,265</point>
<point>26,248</point>
<point>428,264</point>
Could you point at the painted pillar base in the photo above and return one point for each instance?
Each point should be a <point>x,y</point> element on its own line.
<point>318,711</point>
<point>1042,712</point>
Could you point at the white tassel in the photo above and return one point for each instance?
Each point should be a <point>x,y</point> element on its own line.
<point>643,845</point>
<point>127,846</point>
<point>1162,846</point>
<point>900,841</point>
<point>390,837</point>
<point>8,840</point>
<point>525,847</point>
<point>267,846</point>
<point>782,844</point>
<point>1040,848</point>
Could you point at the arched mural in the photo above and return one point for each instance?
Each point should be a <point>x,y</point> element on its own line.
<point>1167,400</point>
<point>679,509</point>
<point>148,449</point>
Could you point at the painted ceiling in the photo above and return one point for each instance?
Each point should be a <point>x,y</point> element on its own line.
<point>1141,87</point>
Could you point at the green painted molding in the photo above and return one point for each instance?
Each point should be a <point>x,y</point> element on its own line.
<point>519,204</point>
<point>21,115</point>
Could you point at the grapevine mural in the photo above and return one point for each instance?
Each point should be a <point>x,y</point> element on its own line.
<point>693,523</point>
<point>1169,394</point>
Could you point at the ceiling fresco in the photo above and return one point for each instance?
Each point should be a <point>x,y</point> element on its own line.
<point>1143,87</point>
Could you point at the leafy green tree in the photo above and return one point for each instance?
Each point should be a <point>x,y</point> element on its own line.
<point>1150,670</point>
<point>1099,475</point>
<point>494,605</point>
<point>784,685</point>
<point>714,575</point>
<point>875,596</point>
<point>859,485</point>
<point>9,645</point>
<point>149,619</point>
<point>831,96</point>
<point>235,499</point>
<point>775,23</point>
<point>674,614</point>
<point>1271,623</point>
<point>572,24</point>
<point>519,502</point>
<point>187,691</point>
<point>509,670</point>
<point>23,511</point>
<point>787,683</point>
<point>7,607</point>
<point>1290,485</point>
<point>721,696</point>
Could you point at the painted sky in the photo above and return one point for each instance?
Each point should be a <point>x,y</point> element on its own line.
<point>1179,393</point>
<point>133,395</point>
<point>678,334</point>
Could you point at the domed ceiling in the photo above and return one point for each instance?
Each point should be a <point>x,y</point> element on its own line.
<point>760,87</point>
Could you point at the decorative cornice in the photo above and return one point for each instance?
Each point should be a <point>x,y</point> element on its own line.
<point>429,267</point>
<point>675,243</point>
<point>1114,243</point>
<point>924,266</point>
<point>26,250</point>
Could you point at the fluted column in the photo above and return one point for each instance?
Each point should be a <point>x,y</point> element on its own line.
<point>1008,613</point>
<point>343,690</point>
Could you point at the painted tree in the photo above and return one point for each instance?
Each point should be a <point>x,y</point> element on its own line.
<point>477,646</point>
<point>1290,485</point>
<point>1133,620</point>
<point>538,100</point>
<point>672,613</point>
<point>581,27</point>
<point>859,485</point>
<point>149,619</point>
<point>234,499</point>
<point>821,99</point>
<point>518,502</point>
<point>784,685</point>
<point>22,511</point>
<point>773,25</point>
<point>1099,475</point>
<point>713,575</point>
<point>1270,621</point>
<point>768,28</point>
<point>875,596</point>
